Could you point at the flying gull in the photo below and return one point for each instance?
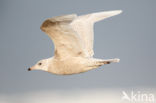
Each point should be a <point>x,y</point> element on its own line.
<point>73,38</point>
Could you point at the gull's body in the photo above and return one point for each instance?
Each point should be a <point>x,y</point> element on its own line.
<point>73,39</point>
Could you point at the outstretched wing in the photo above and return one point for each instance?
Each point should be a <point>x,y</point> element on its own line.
<point>67,42</point>
<point>83,25</point>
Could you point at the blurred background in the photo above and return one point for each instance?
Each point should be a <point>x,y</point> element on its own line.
<point>130,36</point>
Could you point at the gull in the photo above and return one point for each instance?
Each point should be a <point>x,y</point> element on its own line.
<point>73,36</point>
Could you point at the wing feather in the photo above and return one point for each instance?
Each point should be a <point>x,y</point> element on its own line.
<point>67,42</point>
<point>72,35</point>
<point>83,25</point>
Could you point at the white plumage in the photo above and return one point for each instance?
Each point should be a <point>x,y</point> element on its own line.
<point>73,38</point>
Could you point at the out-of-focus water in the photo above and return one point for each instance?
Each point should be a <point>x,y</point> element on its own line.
<point>81,96</point>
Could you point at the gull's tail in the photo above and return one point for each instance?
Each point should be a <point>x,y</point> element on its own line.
<point>108,61</point>
<point>100,62</point>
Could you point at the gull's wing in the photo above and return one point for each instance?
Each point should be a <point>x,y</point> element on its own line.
<point>83,25</point>
<point>67,42</point>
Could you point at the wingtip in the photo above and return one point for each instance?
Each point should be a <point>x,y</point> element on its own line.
<point>119,11</point>
<point>116,12</point>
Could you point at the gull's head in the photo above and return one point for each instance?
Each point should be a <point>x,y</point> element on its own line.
<point>40,65</point>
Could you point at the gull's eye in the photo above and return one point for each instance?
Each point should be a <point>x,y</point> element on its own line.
<point>39,63</point>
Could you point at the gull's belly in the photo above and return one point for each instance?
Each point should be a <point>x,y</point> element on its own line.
<point>70,66</point>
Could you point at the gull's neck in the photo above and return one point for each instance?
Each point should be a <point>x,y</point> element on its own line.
<point>48,62</point>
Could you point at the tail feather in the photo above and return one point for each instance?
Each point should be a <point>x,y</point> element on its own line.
<point>107,61</point>
<point>95,63</point>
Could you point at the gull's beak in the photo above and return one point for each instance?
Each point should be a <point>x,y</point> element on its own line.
<point>29,69</point>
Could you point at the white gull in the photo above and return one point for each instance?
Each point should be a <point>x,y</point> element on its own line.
<point>73,37</point>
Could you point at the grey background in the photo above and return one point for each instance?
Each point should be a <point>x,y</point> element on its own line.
<point>130,36</point>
